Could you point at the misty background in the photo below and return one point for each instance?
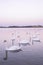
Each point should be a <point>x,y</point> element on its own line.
<point>21,12</point>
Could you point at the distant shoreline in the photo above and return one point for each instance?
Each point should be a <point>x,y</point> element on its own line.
<point>39,26</point>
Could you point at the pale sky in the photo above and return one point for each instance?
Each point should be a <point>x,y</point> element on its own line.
<point>21,12</point>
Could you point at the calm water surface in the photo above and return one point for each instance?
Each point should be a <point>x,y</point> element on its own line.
<point>30,55</point>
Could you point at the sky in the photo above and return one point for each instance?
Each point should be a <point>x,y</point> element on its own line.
<point>21,12</point>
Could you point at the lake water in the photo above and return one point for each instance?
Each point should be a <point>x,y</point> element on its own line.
<point>31,54</point>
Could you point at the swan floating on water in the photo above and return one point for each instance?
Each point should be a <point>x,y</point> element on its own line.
<point>11,49</point>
